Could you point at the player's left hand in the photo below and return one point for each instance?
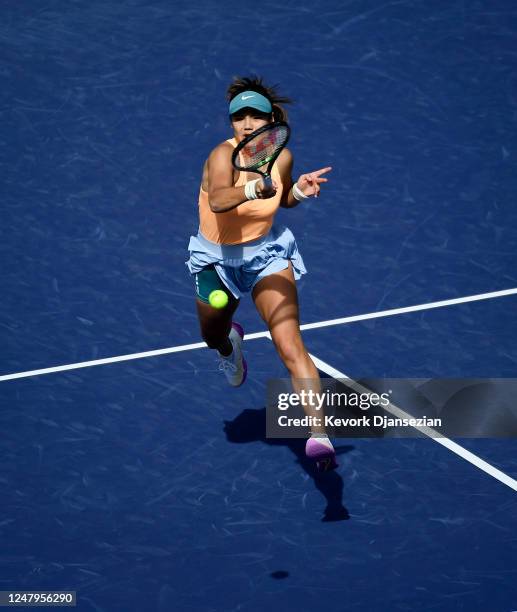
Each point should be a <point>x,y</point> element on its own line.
<point>309,183</point>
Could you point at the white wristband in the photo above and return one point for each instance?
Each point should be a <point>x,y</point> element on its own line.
<point>250,189</point>
<point>298,193</point>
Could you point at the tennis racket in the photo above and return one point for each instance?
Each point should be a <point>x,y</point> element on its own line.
<point>261,147</point>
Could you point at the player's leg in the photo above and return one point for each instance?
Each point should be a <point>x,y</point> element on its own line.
<point>217,328</point>
<point>216,324</point>
<point>276,300</point>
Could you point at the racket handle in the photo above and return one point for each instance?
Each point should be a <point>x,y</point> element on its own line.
<point>268,182</point>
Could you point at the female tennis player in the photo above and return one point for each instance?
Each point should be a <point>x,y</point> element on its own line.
<point>239,249</point>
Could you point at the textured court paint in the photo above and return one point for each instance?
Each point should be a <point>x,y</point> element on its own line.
<point>256,335</point>
<point>108,111</point>
<point>152,477</point>
<point>124,482</point>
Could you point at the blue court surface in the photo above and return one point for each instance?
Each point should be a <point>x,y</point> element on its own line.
<point>147,483</point>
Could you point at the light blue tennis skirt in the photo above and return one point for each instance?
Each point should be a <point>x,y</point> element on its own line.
<point>241,266</point>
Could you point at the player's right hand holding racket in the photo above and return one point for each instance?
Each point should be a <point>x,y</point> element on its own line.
<point>309,184</point>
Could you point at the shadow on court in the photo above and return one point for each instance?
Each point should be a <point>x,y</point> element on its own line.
<point>250,426</point>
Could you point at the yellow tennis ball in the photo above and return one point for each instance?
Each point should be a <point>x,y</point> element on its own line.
<point>218,299</point>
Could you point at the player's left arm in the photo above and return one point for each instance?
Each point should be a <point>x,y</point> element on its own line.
<point>285,167</point>
<point>308,185</point>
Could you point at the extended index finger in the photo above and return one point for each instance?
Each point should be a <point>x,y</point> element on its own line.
<point>322,171</point>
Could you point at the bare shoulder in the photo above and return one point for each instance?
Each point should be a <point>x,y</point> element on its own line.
<point>219,172</point>
<point>221,153</point>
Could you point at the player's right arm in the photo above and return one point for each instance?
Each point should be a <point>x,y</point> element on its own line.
<point>222,193</point>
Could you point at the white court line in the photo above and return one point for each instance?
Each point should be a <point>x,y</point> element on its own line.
<point>263,334</point>
<point>428,431</point>
<point>406,309</point>
<point>96,362</point>
<point>324,367</point>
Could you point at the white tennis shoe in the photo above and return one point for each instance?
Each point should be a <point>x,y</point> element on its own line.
<point>234,366</point>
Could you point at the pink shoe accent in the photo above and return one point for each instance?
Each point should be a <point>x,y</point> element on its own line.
<point>238,328</point>
<point>324,456</point>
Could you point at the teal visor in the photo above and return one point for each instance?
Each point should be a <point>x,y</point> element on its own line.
<point>250,99</point>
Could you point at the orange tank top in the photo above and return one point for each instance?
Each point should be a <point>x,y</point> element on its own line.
<point>248,221</point>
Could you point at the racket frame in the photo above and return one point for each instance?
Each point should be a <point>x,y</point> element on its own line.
<point>266,176</point>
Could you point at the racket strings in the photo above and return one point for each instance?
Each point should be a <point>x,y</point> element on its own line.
<point>264,147</point>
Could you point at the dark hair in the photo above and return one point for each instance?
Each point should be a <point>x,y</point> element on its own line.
<point>255,83</point>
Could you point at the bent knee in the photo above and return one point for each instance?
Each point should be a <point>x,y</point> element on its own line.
<point>290,350</point>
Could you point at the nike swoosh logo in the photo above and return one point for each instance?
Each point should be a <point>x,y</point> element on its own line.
<point>246,97</point>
